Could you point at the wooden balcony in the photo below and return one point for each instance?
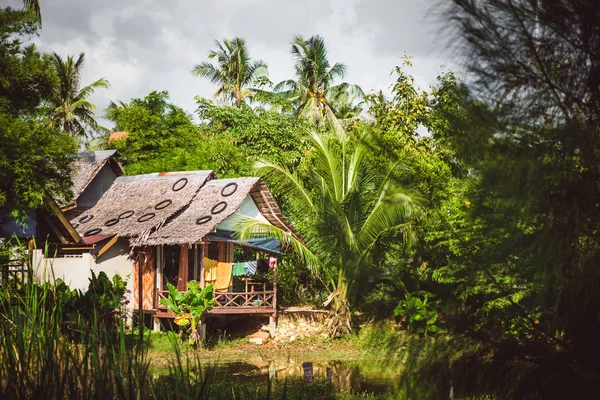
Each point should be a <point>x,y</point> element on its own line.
<point>229,303</point>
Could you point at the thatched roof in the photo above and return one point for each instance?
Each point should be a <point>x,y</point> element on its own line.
<point>135,205</point>
<point>269,208</point>
<point>189,213</point>
<point>204,213</point>
<point>86,167</point>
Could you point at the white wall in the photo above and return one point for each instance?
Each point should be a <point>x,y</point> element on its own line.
<point>248,209</point>
<point>76,272</point>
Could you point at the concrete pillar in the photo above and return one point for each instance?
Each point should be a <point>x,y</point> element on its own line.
<point>202,332</point>
<point>272,326</point>
<point>156,327</point>
<point>272,371</point>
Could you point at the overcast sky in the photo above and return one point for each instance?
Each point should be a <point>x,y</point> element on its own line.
<point>145,45</point>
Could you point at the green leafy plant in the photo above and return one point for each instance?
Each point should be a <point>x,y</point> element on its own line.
<point>189,306</point>
<point>105,298</point>
<point>416,311</point>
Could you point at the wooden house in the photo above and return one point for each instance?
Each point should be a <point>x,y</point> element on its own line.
<point>164,227</point>
<point>50,237</point>
<point>93,173</point>
<point>58,250</point>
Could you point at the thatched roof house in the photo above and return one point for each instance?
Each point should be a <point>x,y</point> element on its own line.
<point>161,228</point>
<point>93,173</point>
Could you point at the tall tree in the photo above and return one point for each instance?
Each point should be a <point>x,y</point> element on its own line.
<point>162,137</point>
<point>34,7</point>
<point>35,159</point>
<point>235,72</point>
<point>257,132</point>
<point>313,92</point>
<point>343,211</point>
<point>538,64</point>
<point>27,79</point>
<point>72,111</point>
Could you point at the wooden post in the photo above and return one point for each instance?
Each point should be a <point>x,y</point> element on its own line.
<point>195,252</point>
<point>275,289</point>
<point>202,249</point>
<point>308,372</point>
<point>140,257</point>
<point>222,252</point>
<point>182,276</point>
<point>273,318</point>
<point>159,283</point>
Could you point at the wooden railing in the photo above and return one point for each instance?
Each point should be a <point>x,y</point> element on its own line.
<point>243,299</point>
<point>232,299</point>
<point>15,271</point>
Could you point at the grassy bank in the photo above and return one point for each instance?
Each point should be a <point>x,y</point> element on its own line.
<point>51,351</point>
<point>160,349</point>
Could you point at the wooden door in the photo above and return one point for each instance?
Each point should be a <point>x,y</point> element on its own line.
<point>148,267</point>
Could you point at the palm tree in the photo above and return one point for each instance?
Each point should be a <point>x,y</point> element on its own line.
<point>348,106</point>
<point>313,90</point>
<point>71,110</point>
<point>34,7</point>
<point>234,72</point>
<point>346,211</point>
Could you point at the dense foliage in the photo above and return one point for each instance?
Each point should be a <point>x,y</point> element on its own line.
<point>259,133</point>
<point>34,156</point>
<point>536,197</point>
<point>470,209</point>
<point>163,137</point>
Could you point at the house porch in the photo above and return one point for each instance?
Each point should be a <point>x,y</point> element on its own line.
<point>180,264</point>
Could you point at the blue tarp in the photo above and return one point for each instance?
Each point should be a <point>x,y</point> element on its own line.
<point>271,246</point>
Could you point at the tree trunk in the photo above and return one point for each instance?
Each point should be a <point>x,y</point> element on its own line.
<point>340,317</point>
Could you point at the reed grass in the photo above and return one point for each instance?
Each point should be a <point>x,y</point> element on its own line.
<point>47,353</point>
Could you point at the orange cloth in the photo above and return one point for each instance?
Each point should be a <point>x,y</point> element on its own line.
<point>210,271</point>
<point>218,274</point>
<point>224,276</point>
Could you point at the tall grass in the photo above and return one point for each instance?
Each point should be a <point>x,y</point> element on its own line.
<point>44,356</point>
<point>49,353</point>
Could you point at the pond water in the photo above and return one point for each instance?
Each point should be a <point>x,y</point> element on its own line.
<point>357,376</point>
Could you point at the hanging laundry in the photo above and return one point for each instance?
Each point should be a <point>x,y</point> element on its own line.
<point>250,268</point>
<point>272,262</point>
<point>262,266</point>
<point>239,269</point>
<point>210,271</point>
<point>224,277</point>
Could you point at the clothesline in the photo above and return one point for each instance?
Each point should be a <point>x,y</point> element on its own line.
<point>220,274</point>
<point>250,268</point>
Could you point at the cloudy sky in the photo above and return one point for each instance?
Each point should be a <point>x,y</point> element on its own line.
<point>145,45</point>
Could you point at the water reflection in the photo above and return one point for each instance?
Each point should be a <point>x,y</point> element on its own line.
<point>351,376</point>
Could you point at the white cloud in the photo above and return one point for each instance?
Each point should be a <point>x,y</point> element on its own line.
<point>145,45</point>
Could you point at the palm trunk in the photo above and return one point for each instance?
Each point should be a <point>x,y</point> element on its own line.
<point>340,317</point>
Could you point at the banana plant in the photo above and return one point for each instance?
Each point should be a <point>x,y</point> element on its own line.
<point>189,306</point>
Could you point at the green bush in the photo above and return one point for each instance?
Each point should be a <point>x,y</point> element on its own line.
<point>417,312</point>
